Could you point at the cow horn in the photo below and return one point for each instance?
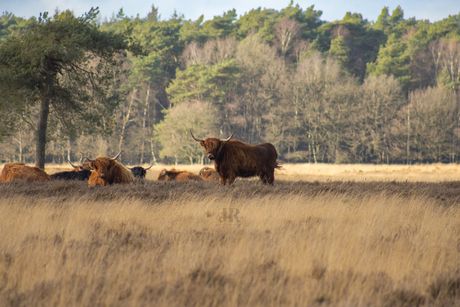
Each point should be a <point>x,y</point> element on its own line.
<point>194,136</point>
<point>126,166</point>
<point>149,167</point>
<point>116,157</point>
<point>71,164</point>
<point>229,137</point>
<point>87,158</point>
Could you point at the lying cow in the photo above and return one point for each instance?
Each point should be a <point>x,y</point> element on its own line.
<point>209,174</point>
<point>82,175</point>
<point>233,158</point>
<point>138,171</point>
<point>20,171</point>
<point>108,171</point>
<point>176,175</point>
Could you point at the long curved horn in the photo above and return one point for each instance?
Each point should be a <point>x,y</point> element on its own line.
<point>229,137</point>
<point>87,158</point>
<point>149,167</point>
<point>71,164</point>
<point>194,136</point>
<point>116,157</point>
<point>127,166</point>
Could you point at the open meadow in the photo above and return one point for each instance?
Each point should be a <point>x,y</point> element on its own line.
<point>329,235</point>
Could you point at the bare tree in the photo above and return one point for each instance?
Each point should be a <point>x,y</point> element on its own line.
<point>286,32</point>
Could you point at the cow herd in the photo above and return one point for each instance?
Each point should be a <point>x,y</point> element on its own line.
<point>232,158</point>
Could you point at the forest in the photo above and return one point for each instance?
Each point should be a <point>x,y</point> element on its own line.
<point>344,91</point>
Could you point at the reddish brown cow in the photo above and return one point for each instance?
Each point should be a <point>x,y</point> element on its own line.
<point>176,175</point>
<point>233,158</point>
<point>209,174</point>
<point>20,171</point>
<point>108,171</point>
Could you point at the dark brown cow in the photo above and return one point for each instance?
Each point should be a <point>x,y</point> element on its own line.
<point>20,171</point>
<point>81,175</point>
<point>233,158</point>
<point>176,175</point>
<point>209,174</point>
<point>108,171</point>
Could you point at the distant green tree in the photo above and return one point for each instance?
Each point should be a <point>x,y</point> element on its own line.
<point>361,39</point>
<point>162,41</point>
<point>252,21</point>
<point>12,25</point>
<point>67,67</point>
<point>192,31</point>
<point>308,20</point>
<point>393,59</point>
<point>200,82</point>
<point>340,50</point>
<point>221,26</point>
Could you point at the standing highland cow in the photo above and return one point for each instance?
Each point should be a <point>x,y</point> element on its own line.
<point>233,158</point>
<point>108,171</point>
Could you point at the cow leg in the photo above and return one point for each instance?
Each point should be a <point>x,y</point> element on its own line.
<point>227,179</point>
<point>267,178</point>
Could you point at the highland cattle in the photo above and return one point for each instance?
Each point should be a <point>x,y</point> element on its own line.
<point>20,171</point>
<point>175,175</point>
<point>209,174</point>
<point>108,171</point>
<point>138,171</point>
<point>233,158</point>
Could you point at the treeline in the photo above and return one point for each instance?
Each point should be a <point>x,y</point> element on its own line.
<point>348,91</point>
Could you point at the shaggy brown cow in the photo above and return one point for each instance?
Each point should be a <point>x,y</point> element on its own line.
<point>18,171</point>
<point>177,175</point>
<point>209,174</point>
<point>108,171</point>
<point>233,158</point>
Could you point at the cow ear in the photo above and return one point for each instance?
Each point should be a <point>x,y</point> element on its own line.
<point>202,143</point>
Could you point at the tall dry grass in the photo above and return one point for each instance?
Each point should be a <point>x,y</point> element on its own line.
<point>169,244</point>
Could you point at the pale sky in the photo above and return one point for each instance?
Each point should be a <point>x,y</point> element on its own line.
<point>433,10</point>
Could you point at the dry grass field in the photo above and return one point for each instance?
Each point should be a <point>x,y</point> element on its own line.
<point>323,235</point>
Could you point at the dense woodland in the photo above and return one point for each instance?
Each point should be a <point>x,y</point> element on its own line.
<point>346,91</point>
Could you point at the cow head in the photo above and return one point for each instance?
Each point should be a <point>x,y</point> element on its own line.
<point>103,165</point>
<point>139,171</point>
<point>163,175</point>
<point>211,145</point>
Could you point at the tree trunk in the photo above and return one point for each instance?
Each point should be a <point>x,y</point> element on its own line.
<point>144,119</point>
<point>408,133</point>
<point>153,152</point>
<point>20,146</point>
<point>126,120</point>
<point>40,142</point>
